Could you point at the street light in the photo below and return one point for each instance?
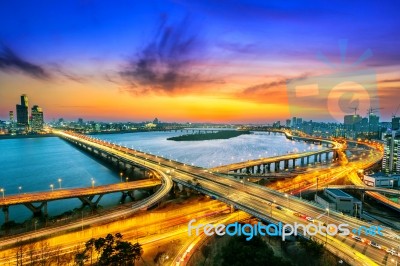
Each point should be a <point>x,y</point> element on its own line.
<point>287,196</point>
<point>92,183</point>
<point>2,191</point>
<point>19,189</point>
<point>270,214</point>
<point>127,179</point>
<point>120,174</point>
<point>59,181</point>
<point>52,187</point>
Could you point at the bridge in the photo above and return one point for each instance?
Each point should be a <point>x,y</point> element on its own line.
<point>284,162</point>
<point>276,163</point>
<point>376,193</point>
<point>86,195</point>
<point>251,198</point>
<point>366,188</point>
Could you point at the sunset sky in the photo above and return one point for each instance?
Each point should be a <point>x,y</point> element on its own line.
<point>197,61</point>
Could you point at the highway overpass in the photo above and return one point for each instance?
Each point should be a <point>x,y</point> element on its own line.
<point>253,199</point>
<point>287,161</point>
<point>86,195</point>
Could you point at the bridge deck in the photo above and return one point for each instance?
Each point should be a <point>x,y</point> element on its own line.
<point>366,188</point>
<point>250,163</point>
<point>58,194</point>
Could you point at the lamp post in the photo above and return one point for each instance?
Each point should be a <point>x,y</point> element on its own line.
<point>127,179</point>
<point>2,191</point>
<point>327,209</point>
<point>92,183</point>
<point>59,181</point>
<point>52,187</point>
<point>270,214</point>
<point>120,174</point>
<point>19,189</point>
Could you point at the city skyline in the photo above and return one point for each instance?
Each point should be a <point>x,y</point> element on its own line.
<point>197,62</point>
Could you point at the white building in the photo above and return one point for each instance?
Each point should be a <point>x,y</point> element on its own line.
<point>391,156</point>
<point>380,180</point>
<point>339,200</point>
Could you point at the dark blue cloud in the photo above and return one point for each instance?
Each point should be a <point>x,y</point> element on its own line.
<point>10,61</point>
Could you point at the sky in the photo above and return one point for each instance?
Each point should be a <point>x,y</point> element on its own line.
<point>200,61</point>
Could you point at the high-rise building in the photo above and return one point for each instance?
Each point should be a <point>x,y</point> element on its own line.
<point>37,118</point>
<point>23,111</point>
<point>373,123</point>
<point>11,116</point>
<point>391,156</point>
<point>294,122</point>
<point>288,122</point>
<point>276,124</point>
<point>395,123</point>
<point>351,120</point>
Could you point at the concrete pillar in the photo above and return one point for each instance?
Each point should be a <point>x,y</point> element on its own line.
<point>315,158</point>
<point>294,163</point>
<point>247,170</point>
<point>269,167</point>
<point>261,169</point>
<point>277,166</point>
<point>286,164</point>
<point>45,209</point>
<point>302,161</point>
<point>6,214</point>
<point>144,172</point>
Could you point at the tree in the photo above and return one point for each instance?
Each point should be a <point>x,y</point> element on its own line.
<point>205,251</point>
<point>111,251</point>
<point>312,247</point>
<point>240,252</point>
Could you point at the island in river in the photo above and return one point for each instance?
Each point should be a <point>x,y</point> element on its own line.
<point>223,134</point>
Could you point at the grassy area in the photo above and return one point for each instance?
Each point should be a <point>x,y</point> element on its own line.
<point>225,134</point>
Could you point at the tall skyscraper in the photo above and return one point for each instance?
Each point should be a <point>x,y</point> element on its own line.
<point>351,120</point>
<point>373,123</point>
<point>37,118</point>
<point>294,122</point>
<point>395,123</point>
<point>11,116</point>
<point>391,156</point>
<point>23,111</point>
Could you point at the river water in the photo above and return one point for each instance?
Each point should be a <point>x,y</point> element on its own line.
<point>35,163</point>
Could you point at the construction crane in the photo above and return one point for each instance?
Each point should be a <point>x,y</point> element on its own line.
<point>371,110</point>
<point>355,110</point>
<point>395,113</point>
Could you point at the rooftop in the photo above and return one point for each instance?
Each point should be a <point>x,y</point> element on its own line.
<point>338,192</point>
